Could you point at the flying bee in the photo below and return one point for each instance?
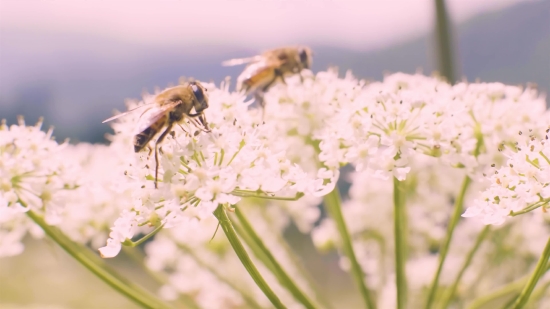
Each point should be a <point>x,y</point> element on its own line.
<point>172,106</point>
<point>269,67</point>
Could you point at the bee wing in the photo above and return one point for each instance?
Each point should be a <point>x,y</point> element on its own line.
<point>127,112</point>
<point>154,114</point>
<point>239,61</point>
<point>258,74</point>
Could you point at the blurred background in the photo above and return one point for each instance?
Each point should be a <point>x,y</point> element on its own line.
<point>74,62</point>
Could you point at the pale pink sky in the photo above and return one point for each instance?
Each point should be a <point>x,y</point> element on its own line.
<point>356,24</point>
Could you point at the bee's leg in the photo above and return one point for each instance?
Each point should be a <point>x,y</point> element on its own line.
<point>301,77</point>
<point>159,140</point>
<point>279,75</point>
<point>259,97</point>
<point>150,150</point>
<point>183,129</point>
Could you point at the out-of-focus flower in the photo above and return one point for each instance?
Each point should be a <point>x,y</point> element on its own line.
<point>33,176</point>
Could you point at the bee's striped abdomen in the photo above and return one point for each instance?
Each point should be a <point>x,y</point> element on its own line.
<point>256,76</point>
<point>142,139</point>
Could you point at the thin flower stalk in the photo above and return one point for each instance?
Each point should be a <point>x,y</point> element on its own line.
<point>250,301</point>
<point>457,211</point>
<point>508,289</point>
<point>231,235</point>
<point>537,273</point>
<point>333,205</point>
<point>400,234</point>
<point>300,267</point>
<point>279,272</point>
<point>183,301</point>
<point>98,267</point>
<point>448,297</point>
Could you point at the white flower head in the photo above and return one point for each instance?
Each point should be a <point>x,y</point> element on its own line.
<point>522,185</point>
<point>33,176</point>
<point>199,171</point>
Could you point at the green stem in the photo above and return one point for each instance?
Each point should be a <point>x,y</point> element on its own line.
<point>231,235</point>
<point>183,301</point>
<point>400,233</point>
<point>444,38</point>
<point>97,267</point>
<point>333,206</point>
<point>530,207</point>
<point>459,203</point>
<point>448,297</point>
<point>280,273</point>
<point>247,298</point>
<point>539,271</point>
<point>503,291</point>
<point>300,266</point>
<point>509,288</point>
<point>245,193</point>
<point>539,293</point>
<point>130,243</point>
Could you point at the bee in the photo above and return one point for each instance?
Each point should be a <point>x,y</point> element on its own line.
<point>271,66</point>
<point>172,106</point>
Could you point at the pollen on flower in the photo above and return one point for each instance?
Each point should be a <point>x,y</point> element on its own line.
<point>521,185</point>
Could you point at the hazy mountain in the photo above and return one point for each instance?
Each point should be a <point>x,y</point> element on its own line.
<point>77,88</point>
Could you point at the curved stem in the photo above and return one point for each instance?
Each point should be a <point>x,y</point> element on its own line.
<point>537,273</point>
<point>447,298</point>
<point>297,263</point>
<point>98,267</point>
<point>250,301</point>
<point>279,272</point>
<point>130,243</point>
<point>246,193</point>
<point>539,293</point>
<point>183,301</point>
<point>333,206</point>
<point>400,233</point>
<point>238,247</point>
<point>459,203</point>
<point>510,288</point>
<point>530,207</point>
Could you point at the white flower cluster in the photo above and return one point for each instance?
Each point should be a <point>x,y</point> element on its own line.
<point>431,190</point>
<point>33,176</point>
<point>522,185</point>
<point>389,123</point>
<point>298,113</point>
<point>199,171</point>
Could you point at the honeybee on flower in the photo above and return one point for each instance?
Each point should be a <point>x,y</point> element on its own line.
<point>266,69</point>
<point>170,107</point>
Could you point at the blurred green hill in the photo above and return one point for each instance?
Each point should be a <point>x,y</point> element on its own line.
<point>77,81</point>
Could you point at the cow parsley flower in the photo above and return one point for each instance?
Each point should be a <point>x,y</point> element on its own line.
<point>198,170</point>
<point>522,185</point>
<point>390,122</point>
<point>33,176</point>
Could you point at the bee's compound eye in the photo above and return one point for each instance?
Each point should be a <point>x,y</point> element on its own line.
<point>199,94</point>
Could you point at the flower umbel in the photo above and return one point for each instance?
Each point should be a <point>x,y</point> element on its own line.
<point>199,171</point>
<point>522,185</point>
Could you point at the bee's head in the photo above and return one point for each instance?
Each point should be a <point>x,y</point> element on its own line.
<point>201,102</point>
<point>305,55</point>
